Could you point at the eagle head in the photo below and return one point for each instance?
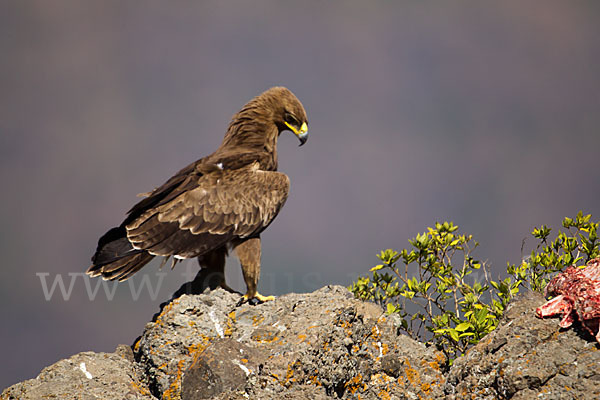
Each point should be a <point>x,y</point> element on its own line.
<point>260,122</point>
<point>288,112</point>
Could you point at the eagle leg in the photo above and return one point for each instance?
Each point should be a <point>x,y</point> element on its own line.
<point>212,269</point>
<point>249,254</point>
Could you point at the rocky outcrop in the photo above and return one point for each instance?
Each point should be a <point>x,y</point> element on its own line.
<point>86,376</point>
<point>528,358</point>
<point>320,345</point>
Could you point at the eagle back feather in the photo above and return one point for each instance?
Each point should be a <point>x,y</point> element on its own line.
<point>209,210</point>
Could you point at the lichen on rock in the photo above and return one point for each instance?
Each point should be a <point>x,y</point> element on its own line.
<point>321,345</point>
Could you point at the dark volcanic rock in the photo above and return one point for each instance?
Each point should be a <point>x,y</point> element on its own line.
<point>527,357</point>
<point>86,376</point>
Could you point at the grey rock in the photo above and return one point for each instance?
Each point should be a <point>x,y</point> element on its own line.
<point>86,376</point>
<point>527,357</point>
<point>184,328</point>
<point>321,345</point>
<point>224,365</point>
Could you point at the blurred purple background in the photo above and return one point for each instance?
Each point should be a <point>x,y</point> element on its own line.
<point>483,114</point>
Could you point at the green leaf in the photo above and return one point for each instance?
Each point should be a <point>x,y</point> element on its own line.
<point>453,334</point>
<point>463,326</point>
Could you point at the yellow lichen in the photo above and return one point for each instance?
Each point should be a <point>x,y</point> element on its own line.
<point>314,380</point>
<point>375,333</point>
<point>384,348</point>
<point>411,374</point>
<point>266,338</point>
<point>355,384</point>
<point>159,320</point>
<point>174,390</point>
<point>140,389</point>
<point>289,376</point>
<point>229,324</point>
<point>384,395</point>
<point>196,349</point>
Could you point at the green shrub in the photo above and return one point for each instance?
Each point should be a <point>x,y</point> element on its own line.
<point>456,301</point>
<point>578,245</point>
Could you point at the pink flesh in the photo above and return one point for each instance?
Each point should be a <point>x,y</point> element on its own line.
<point>577,295</point>
<point>567,320</point>
<point>556,306</point>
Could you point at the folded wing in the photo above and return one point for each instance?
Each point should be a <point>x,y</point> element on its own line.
<point>209,210</point>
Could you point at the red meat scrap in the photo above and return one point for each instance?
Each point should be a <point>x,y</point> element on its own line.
<point>576,296</point>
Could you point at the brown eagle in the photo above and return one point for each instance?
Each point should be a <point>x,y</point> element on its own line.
<point>220,202</point>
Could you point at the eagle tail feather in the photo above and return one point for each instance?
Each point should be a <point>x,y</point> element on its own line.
<point>115,257</point>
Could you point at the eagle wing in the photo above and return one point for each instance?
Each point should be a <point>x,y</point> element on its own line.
<point>210,209</point>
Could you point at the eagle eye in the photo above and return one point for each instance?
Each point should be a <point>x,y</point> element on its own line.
<point>290,119</point>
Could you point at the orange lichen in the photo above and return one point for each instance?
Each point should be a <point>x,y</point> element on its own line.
<point>159,320</point>
<point>384,348</point>
<point>313,379</point>
<point>411,374</point>
<point>355,384</point>
<point>140,389</point>
<point>229,324</point>
<point>375,333</point>
<point>257,320</point>
<point>174,390</point>
<point>381,379</point>
<point>136,346</point>
<point>289,376</point>
<point>268,337</point>
<point>198,347</point>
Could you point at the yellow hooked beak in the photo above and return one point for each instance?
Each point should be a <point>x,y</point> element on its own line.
<point>302,133</point>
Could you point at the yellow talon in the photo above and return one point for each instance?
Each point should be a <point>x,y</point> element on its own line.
<point>256,299</point>
<point>264,298</point>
